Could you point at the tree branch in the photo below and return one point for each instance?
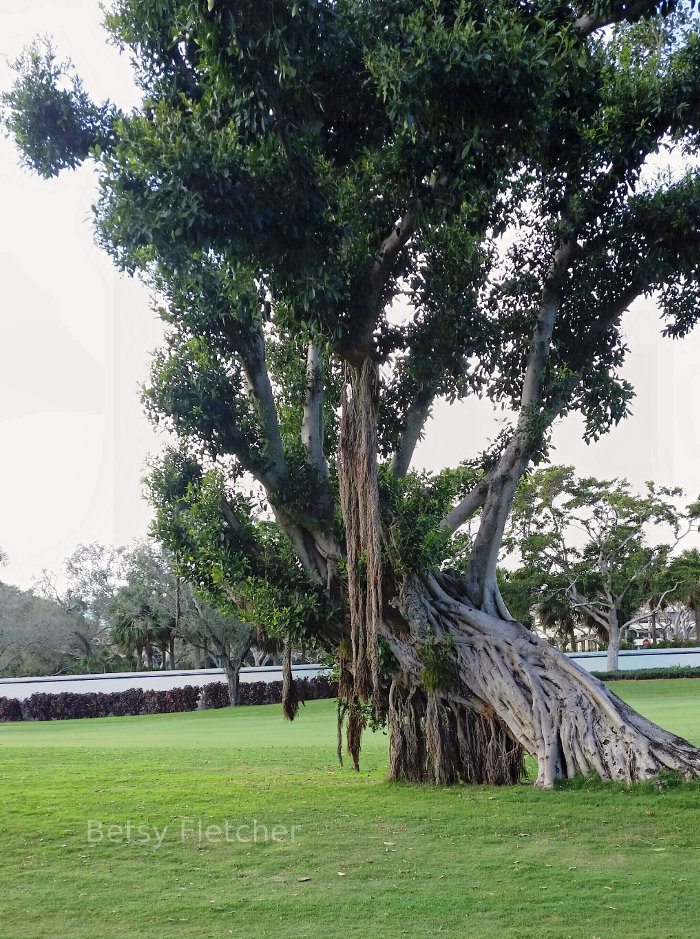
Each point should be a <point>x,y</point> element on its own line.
<point>391,247</point>
<point>260,392</point>
<point>588,23</point>
<point>481,572</point>
<point>312,419</point>
<point>414,422</point>
<point>470,504</point>
<point>651,611</point>
<point>475,499</point>
<point>580,602</point>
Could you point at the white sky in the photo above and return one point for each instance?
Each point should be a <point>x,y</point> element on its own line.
<point>75,339</point>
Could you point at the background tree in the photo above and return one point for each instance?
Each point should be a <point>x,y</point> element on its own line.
<point>294,169</point>
<point>40,637</point>
<point>683,580</point>
<point>225,636</point>
<point>240,565</point>
<point>537,598</point>
<point>143,612</point>
<point>588,540</point>
<point>87,584</point>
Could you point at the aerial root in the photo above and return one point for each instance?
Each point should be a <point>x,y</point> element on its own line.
<point>440,741</point>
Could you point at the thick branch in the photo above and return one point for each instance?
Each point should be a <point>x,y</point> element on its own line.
<point>588,23</point>
<point>260,391</point>
<point>312,419</point>
<point>388,253</point>
<point>414,422</point>
<point>539,350</point>
<point>590,607</point>
<point>481,574</point>
<point>470,504</point>
<point>318,563</point>
<point>391,247</point>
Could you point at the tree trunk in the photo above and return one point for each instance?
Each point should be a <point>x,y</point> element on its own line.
<point>696,615</point>
<point>197,657</point>
<point>175,631</point>
<point>652,631</point>
<point>614,639</point>
<point>234,689</point>
<point>509,689</point>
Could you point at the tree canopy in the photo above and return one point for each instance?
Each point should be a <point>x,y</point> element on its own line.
<point>351,210</point>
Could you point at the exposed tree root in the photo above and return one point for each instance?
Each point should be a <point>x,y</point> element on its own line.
<point>513,687</point>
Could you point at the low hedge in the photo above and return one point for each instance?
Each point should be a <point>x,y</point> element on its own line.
<point>639,674</point>
<point>69,705</point>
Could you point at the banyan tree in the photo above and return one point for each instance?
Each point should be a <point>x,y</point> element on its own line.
<point>353,212</point>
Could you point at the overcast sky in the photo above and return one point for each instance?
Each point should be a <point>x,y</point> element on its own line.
<point>75,339</point>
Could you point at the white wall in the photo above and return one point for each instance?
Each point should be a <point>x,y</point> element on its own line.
<point>628,661</point>
<point>22,688</point>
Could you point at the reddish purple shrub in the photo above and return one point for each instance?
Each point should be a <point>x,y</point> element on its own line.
<point>10,709</point>
<point>215,695</point>
<point>69,705</point>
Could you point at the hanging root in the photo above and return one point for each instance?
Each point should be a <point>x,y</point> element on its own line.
<point>432,740</point>
<point>356,724</point>
<point>407,759</point>
<point>359,494</point>
<point>487,752</point>
<point>290,692</point>
<point>342,711</point>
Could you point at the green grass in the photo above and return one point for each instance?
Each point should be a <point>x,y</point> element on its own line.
<point>580,862</point>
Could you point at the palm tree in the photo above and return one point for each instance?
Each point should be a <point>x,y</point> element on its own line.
<point>135,625</point>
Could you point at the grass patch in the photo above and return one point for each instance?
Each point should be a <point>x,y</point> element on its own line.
<point>593,861</point>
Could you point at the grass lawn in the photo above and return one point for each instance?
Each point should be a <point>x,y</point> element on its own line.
<point>366,858</point>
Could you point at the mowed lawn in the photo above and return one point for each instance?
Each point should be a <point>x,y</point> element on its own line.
<point>365,858</point>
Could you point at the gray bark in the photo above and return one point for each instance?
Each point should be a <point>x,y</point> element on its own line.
<point>260,392</point>
<point>416,417</point>
<point>569,721</point>
<point>614,638</point>
<point>312,418</point>
<point>232,680</point>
